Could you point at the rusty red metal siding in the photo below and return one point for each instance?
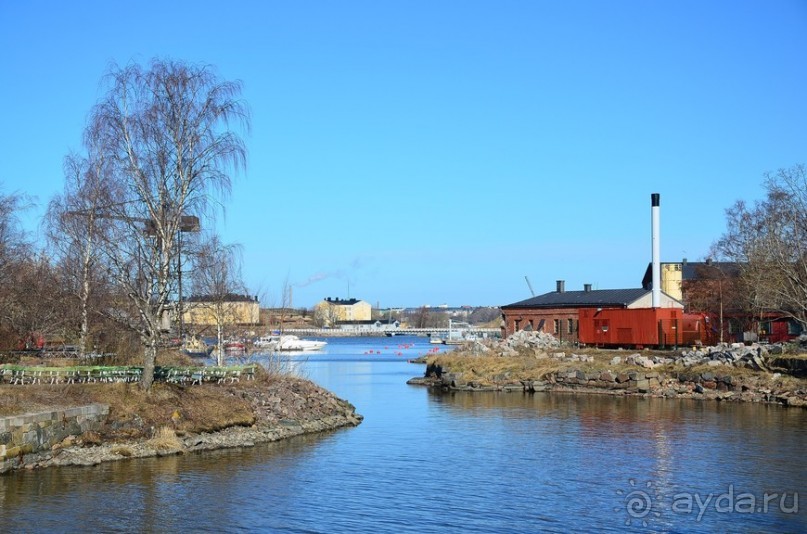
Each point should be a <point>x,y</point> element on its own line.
<point>640,327</point>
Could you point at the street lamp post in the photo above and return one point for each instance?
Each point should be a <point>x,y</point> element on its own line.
<point>188,223</point>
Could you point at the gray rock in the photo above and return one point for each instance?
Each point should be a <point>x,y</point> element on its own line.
<point>607,376</point>
<point>645,362</point>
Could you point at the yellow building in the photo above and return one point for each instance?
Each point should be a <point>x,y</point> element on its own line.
<point>672,280</point>
<point>333,311</point>
<point>233,309</point>
<point>676,275</point>
<point>672,277</point>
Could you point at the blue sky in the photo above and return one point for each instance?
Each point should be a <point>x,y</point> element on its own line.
<point>430,152</point>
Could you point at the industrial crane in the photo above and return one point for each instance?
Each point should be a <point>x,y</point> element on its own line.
<point>529,285</point>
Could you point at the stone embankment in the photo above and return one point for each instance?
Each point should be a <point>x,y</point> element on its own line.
<point>735,372</point>
<point>39,431</point>
<point>290,409</point>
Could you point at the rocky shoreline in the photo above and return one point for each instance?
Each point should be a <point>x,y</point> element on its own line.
<point>80,455</point>
<point>532,363</point>
<point>700,386</point>
<point>290,408</point>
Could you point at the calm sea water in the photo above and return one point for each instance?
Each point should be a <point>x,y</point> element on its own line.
<point>429,462</point>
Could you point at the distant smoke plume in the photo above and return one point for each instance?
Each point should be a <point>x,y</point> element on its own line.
<point>357,264</point>
<point>318,277</point>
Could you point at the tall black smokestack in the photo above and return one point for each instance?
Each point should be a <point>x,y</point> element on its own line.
<point>655,201</point>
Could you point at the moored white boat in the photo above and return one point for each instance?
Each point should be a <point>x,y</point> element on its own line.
<point>457,335</point>
<point>288,343</point>
<point>266,342</point>
<point>294,343</point>
<point>434,339</point>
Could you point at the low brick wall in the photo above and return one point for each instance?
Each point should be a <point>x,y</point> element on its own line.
<point>36,432</point>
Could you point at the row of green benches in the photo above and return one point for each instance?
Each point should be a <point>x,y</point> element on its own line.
<point>20,374</point>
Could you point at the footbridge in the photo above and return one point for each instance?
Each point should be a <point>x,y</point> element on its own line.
<point>391,331</point>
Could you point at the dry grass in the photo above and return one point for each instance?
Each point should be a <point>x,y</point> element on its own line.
<point>203,408</point>
<point>486,367</point>
<point>133,412</point>
<point>166,440</point>
<point>21,399</point>
<point>800,356</point>
<point>173,358</point>
<point>491,369</point>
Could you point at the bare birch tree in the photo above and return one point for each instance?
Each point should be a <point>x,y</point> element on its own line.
<point>167,133</point>
<point>769,241</point>
<point>74,225</point>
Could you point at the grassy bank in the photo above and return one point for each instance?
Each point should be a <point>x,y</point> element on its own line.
<point>135,413</point>
<point>173,418</point>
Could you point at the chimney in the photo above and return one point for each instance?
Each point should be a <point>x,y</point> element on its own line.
<point>655,201</point>
<point>587,287</point>
<point>561,286</point>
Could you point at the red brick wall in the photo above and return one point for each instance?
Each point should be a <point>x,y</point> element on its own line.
<point>518,319</point>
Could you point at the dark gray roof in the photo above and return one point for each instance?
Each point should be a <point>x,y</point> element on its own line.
<point>341,302</point>
<point>582,299</point>
<point>230,297</point>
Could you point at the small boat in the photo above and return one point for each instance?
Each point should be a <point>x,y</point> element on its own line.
<point>293,343</point>
<point>458,335</point>
<point>434,339</point>
<point>233,345</point>
<point>196,348</point>
<point>288,343</point>
<point>266,342</point>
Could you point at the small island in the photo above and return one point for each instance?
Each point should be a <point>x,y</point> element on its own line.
<point>535,362</point>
